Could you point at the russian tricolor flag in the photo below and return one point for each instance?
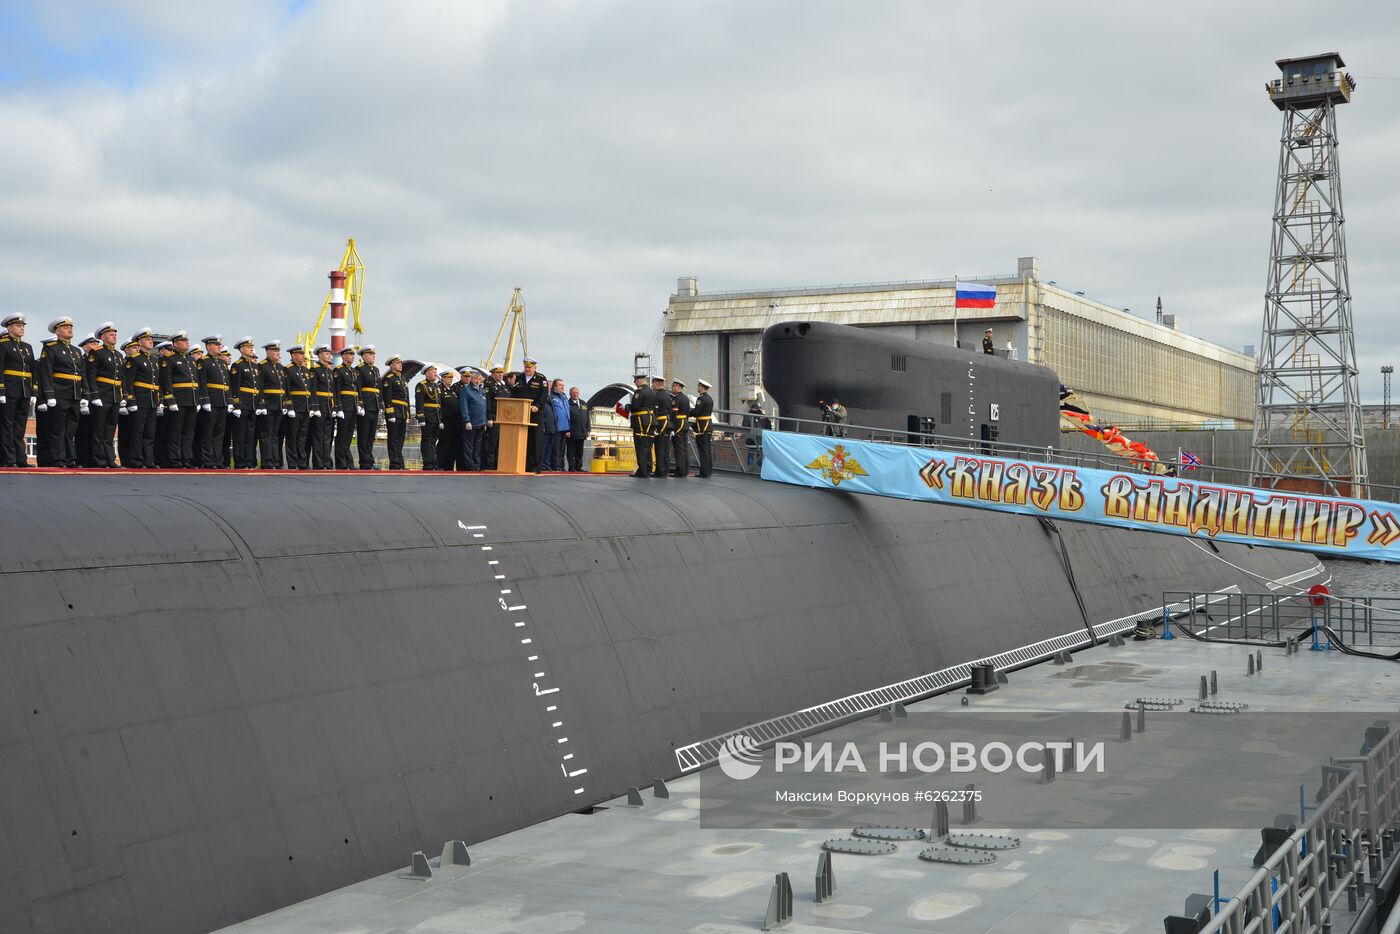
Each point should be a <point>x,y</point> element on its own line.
<point>972,295</point>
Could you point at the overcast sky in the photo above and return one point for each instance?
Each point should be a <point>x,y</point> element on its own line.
<point>200,164</point>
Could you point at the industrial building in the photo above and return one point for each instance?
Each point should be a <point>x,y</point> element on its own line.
<point>1128,370</point>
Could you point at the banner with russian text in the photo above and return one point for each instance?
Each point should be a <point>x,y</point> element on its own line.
<point>1356,528</point>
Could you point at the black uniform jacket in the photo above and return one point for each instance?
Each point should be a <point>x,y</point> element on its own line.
<point>141,380</point>
<point>17,367</point>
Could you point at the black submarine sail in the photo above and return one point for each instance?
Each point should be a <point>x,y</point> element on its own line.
<point>907,385</point>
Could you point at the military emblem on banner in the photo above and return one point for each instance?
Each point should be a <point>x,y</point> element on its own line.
<point>837,465</point>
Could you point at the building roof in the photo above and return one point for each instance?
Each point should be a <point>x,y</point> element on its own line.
<point>1311,58</point>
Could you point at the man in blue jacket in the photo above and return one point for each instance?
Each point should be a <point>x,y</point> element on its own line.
<point>554,428</point>
<point>472,403</point>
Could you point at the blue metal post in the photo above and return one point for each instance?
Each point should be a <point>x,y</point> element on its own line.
<point>1317,645</point>
<point>1166,623</point>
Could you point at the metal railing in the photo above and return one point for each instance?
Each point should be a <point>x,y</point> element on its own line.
<point>1299,884</point>
<point>730,423</point>
<point>826,715</point>
<point>1360,622</point>
<point>1342,848</point>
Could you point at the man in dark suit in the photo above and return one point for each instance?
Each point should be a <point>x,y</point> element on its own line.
<point>580,425</point>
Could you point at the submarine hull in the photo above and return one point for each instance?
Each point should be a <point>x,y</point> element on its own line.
<point>223,694</point>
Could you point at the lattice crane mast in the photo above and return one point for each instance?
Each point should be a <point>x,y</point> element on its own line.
<point>515,318</point>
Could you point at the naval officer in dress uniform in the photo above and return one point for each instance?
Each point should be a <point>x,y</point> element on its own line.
<point>103,384</point>
<point>181,389</point>
<point>533,385</point>
<point>701,412</point>
<point>213,409</point>
<point>427,406</point>
<point>368,425</point>
<point>141,383</point>
<point>60,372</point>
<point>83,440</point>
<point>660,428</point>
<point>638,413</point>
<point>16,391</point>
<point>320,434</point>
<point>272,399</point>
<point>347,408</point>
<point>246,383</point>
<point>296,418</point>
<point>394,393</point>
<point>680,430</point>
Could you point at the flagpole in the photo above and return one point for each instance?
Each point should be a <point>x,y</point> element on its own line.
<point>956,342</point>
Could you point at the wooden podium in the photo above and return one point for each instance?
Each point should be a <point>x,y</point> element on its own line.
<point>513,420</point>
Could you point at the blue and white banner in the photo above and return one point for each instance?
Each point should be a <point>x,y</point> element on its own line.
<point>1356,528</point>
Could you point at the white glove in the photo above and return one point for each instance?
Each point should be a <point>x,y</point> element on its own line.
<point>392,420</point>
<point>97,402</point>
<point>340,414</point>
<point>290,413</point>
<point>82,406</point>
<point>422,421</point>
<point>173,407</point>
<point>441,426</point>
<point>123,411</point>
<point>315,413</point>
<point>260,411</point>
<point>359,410</point>
<point>41,407</point>
<point>208,407</point>
<point>160,410</point>
<point>53,403</point>
<point>2,400</point>
<point>236,413</point>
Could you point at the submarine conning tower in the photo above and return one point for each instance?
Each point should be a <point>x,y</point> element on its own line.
<point>904,384</point>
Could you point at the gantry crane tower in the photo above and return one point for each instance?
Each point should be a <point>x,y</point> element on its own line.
<point>515,318</point>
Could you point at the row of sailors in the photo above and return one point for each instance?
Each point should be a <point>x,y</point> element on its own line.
<point>662,421</point>
<point>182,408</point>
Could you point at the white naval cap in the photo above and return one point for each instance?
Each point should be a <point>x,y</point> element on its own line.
<point>272,345</point>
<point>244,342</point>
<point>391,358</point>
<point>12,318</point>
<point>213,339</point>
<point>703,382</point>
<point>57,323</point>
<point>90,339</point>
<point>368,348</point>
<point>324,348</point>
<point>529,361</point>
<point>179,336</point>
<point>143,332</point>
<point>104,327</point>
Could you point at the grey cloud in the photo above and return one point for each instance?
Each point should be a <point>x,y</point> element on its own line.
<point>592,152</point>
